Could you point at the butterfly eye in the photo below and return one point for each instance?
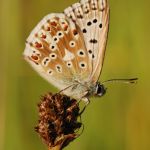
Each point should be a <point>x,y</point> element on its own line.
<point>72,43</point>
<point>82,65</point>
<point>100,90</point>
<point>53,56</point>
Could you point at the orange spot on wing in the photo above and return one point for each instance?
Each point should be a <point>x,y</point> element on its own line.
<point>65,27</point>
<point>48,29</point>
<point>35,58</point>
<point>36,35</point>
<point>53,23</point>
<point>63,22</point>
<point>43,36</point>
<point>38,45</point>
<point>75,32</point>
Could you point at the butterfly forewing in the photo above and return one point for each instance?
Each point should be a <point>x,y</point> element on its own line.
<point>92,17</point>
<point>103,27</point>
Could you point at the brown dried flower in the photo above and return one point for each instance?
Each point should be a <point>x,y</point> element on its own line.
<point>58,121</point>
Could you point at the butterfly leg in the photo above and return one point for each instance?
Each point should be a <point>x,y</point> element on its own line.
<point>86,100</point>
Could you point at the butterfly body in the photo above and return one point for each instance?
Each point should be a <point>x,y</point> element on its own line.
<point>85,90</point>
<point>67,49</point>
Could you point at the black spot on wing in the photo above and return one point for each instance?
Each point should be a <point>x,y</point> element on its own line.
<point>94,41</point>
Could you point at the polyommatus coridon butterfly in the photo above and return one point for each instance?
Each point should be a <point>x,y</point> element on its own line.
<point>68,49</point>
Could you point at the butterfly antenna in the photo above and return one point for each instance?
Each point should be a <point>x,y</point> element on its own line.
<point>126,81</point>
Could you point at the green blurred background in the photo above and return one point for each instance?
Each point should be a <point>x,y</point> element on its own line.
<point>118,121</point>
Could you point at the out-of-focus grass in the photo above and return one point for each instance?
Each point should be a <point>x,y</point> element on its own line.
<point>118,121</point>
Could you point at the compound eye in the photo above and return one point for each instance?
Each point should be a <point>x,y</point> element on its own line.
<point>100,90</point>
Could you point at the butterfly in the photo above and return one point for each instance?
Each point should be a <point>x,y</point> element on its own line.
<point>67,49</point>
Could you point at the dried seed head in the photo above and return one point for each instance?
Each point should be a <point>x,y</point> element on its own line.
<point>58,121</point>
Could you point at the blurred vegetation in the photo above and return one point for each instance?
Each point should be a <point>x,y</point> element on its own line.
<point>118,121</point>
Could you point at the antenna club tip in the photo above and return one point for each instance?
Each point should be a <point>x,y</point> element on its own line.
<point>132,80</point>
